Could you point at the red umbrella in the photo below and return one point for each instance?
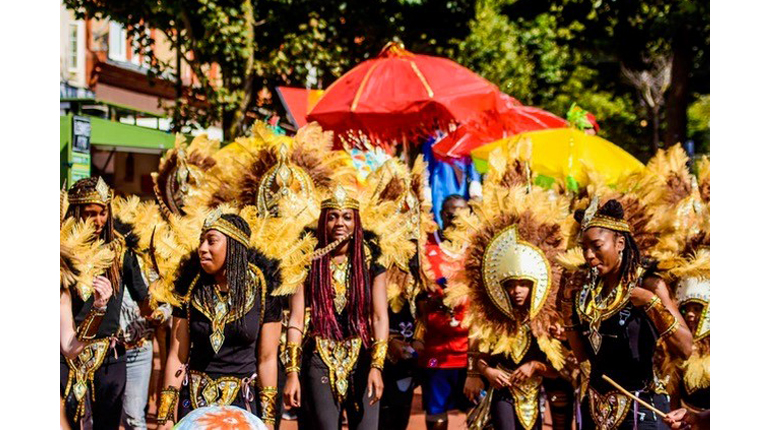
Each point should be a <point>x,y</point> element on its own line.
<point>400,95</point>
<point>491,127</point>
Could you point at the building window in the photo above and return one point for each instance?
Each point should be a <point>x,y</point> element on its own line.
<point>72,48</point>
<point>117,41</point>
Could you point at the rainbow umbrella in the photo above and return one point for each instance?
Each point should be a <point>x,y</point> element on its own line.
<point>566,153</point>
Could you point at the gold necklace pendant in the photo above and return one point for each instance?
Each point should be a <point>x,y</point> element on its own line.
<point>340,284</point>
<point>217,337</point>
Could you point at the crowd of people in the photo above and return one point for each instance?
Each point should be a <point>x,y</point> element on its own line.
<point>269,275</point>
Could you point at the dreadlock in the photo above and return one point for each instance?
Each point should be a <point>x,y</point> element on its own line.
<point>236,270</point>
<point>359,291</point>
<point>631,255</point>
<point>108,231</point>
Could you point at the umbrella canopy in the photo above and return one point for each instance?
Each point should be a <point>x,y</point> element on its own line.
<point>400,95</point>
<point>492,127</point>
<point>567,153</point>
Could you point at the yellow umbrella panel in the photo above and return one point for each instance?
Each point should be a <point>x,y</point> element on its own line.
<point>566,153</point>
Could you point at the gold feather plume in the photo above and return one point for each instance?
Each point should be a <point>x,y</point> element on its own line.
<point>81,257</point>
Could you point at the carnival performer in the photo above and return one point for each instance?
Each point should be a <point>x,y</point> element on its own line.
<point>223,308</point>
<point>98,372</point>
<point>506,277</point>
<point>617,311</point>
<point>442,342</point>
<point>338,366</point>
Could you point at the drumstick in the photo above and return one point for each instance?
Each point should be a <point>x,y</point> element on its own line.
<point>627,393</point>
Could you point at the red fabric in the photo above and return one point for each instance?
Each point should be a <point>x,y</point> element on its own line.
<point>399,94</point>
<point>446,347</point>
<point>490,127</point>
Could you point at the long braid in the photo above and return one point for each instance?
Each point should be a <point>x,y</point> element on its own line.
<point>359,291</point>
<point>320,288</point>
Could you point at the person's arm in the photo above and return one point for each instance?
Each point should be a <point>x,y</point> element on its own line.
<point>291,392</point>
<point>137,287</point>
<point>269,339</point>
<point>380,328</point>
<point>531,368</point>
<point>473,383</point>
<point>654,298</point>
<point>73,339</point>
<point>566,298</point>
<point>178,352</point>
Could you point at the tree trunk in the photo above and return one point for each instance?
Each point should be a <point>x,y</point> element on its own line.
<point>655,119</point>
<point>679,93</point>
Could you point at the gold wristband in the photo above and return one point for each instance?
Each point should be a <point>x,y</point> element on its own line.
<point>294,355</point>
<point>379,351</point>
<point>267,398</point>
<point>661,317</point>
<point>168,400</point>
<point>90,326</point>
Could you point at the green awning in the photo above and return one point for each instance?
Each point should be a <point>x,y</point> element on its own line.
<point>115,134</point>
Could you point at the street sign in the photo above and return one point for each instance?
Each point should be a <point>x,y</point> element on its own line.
<point>81,134</point>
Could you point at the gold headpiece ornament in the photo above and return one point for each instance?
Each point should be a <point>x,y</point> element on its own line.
<point>508,257</point>
<point>101,194</point>
<point>592,219</point>
<point>697,290</point>
<point>284,181</point>
<point>214,221</point>
<point>340,200</point>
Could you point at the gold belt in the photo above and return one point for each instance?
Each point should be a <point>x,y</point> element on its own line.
<point>339,357</point>
<point>608,410</point>
<point>82,369</point>
<point>207,391</point>
<point>525,399</point>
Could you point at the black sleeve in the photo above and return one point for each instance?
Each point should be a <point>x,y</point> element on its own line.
<point>186,274</point>
<point>132,277</point>
<point>273,308</point>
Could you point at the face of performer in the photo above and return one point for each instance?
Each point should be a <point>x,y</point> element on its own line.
<point>212,251</point>
<point>691,312</point>
<point>339,223</point>
<point>518,290</point>
<point>449,210</point>
<point>601,249</point>
<point>97,213</point>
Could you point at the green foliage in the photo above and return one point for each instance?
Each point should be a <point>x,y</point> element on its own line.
<point>699,123</point>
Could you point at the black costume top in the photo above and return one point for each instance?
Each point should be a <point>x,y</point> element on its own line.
<point>629,340</point>
<point>238,354</point>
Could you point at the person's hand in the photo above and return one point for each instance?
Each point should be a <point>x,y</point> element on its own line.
<point>557,331</point>
<point>291,392</point>
<point>679,419</point>
<point>102,292</point>
<point>497,377</point>
<point>641,296</point>
<point>418,346</point>
<point>167,426</point>
<point>525,371</point>
<point>472,388</point>
<point>396,350</point>
<point>375,385</point>
<point>161,314</point>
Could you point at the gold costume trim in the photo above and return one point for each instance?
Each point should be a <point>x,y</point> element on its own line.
<point>214,221</point>
<point>293,357</point>
<point>90,326</point>
<point>665,322</point>
<point>522,340</point>
<point>267,398</point>
<point>168,400</point>
<point>339,273</point>
<point>608,410</point>
<point>609,223</point>
<point>340,200</point>
<point>340,357</point>
<point>379,352</point>
<point>100,195</point>
<point>525,399</point>
<point>206,391</point>
<point>81,374</point>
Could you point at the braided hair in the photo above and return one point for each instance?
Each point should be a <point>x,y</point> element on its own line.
<point>321,292</point>
<point>236,270</point>
<point>631,255</point>
<point>108,231</point>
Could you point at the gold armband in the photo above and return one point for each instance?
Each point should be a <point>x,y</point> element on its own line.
<point>88,328</point>
<point>267,398</point>
<point>419,331</point>
<point>168,400</point>
<point>379,351</point>
<point>661,317</point>
<point>294,356</point>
